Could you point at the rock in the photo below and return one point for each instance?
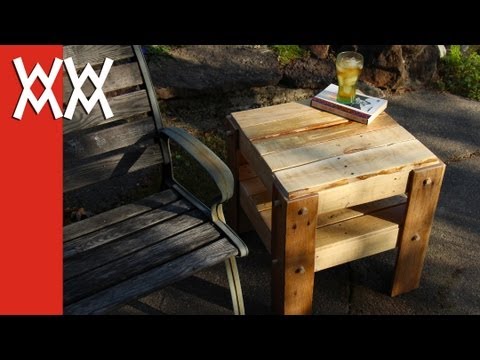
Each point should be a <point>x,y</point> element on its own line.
<point>412,51</point>
<point>213,70</point>
<point>384,66</point>
<point>309,73</point>
<point>320,51</point>
<point>421,64</point>
<point>193,70</point>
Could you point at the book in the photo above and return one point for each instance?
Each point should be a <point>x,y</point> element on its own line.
<point>364,110</point>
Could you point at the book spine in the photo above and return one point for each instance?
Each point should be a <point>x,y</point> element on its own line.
<point>341,108</point>
<point>338,111</point>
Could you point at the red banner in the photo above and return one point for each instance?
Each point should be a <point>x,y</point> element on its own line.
<point>31,185</point>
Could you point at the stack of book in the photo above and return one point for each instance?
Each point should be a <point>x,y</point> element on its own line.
<point>364,110</point>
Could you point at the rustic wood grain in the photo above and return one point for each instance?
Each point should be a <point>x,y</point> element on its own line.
<point>256,162</point>
<point>309,153</point>
<point>96,54</point>
<point>154,279</point>
<point>130,243</point>
<point>127,227</point>
<point>77,176</point>
<point>357,166</point>
<point>280,119</point>
<point>316,136</point>
<point>337,216</point>
<point>79,146</point>
<point>357,237</point>
<point>245,172</point>
<point>424,191</point>
<point>293,253</point>
<point>364,191</point>
<point>118,214</point>
<point>257,204</point>
<point>163,248</point>
<point>249,207</point>
<point>123,106</point>
<point>120,77</point>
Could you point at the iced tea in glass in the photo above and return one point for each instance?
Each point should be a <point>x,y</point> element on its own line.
<point>349,66</point>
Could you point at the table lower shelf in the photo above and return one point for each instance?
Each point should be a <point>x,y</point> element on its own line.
<point>342,235</point>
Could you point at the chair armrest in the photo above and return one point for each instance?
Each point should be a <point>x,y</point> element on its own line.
<point>219,172</point>
<point>215,167</point>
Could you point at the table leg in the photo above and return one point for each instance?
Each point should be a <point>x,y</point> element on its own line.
<point>293,253</point>
<point>423,193</point>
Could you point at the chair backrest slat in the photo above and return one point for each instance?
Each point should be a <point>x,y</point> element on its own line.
<point>120,77</point>
<point>96,54</point>
<point>98,149</point>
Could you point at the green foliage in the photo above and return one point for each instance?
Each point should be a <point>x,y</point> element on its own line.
<point>461,73</point>
<point>157,50</point>
<point>288,53</point>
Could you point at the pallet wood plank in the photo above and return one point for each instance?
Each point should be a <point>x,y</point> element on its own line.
<point>349,230</point>
<point>127,227</point>
<point>358,237</point>
<point>347,145</point>
<point>280,113</point>
<point>123,106</point>
<point>90,172</point>
<point>96,54</point>
<point>424,191</point>
<point>118,214</point>
<point>261,203</point>
<point>337,216</point>
<point>316,136</point>
<point>258,207</point>
<point>293,124</point>
<point>357,166</point>
<point>161,251</point>
<point>341,197</point>
<point>359,192</point>
<point>251,211</point>
<point>154,279</point>
<point>245,172</point>
<point>256,162</point>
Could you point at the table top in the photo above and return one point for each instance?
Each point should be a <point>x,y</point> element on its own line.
<point>305,150</point>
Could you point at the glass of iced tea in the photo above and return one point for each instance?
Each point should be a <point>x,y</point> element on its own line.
<point>349,66</point>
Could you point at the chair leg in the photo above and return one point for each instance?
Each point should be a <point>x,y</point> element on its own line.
<point>235,286</point>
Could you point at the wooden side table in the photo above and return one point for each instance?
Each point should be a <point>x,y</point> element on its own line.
<point>321,191</point>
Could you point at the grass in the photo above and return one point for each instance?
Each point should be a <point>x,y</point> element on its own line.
<point>157,50</point>
<point>288,53</point>
<point>460,73</point>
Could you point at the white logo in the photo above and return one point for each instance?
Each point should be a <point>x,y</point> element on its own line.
<point>77,94</point>
<point>27,82</point>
